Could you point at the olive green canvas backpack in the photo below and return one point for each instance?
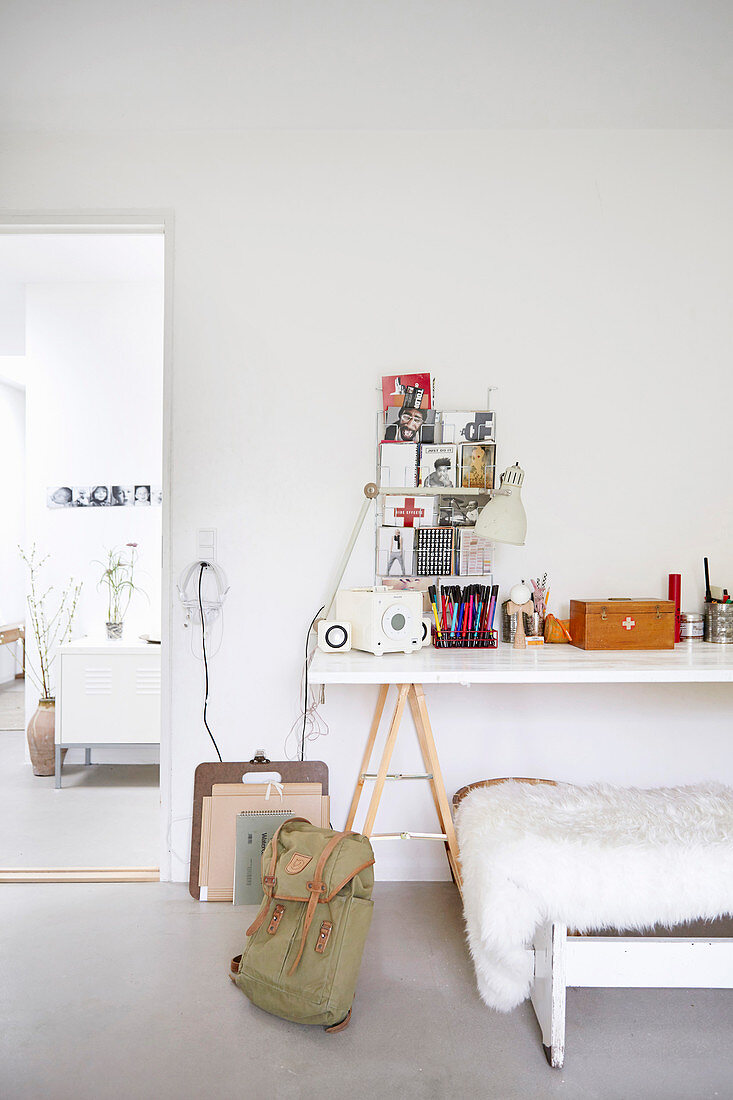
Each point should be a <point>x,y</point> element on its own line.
<point>304,948</point>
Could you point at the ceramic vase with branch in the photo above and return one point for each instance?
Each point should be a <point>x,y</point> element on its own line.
<point>118,577</point>
<point>50,628</point>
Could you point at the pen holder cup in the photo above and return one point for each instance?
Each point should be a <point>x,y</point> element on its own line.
<point>508,624</point>
<point>719,622</point>
<point>472,639</point>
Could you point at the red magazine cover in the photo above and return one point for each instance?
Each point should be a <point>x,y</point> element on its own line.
<point>411,389</point>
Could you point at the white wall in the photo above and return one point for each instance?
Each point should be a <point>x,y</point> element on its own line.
<point>12,523</point>
<point>586,273</point>
<point>94,414</point>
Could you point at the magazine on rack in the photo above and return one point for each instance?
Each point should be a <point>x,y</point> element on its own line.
<point>438,466</point>
<point>407,424</point>
<point>478,464</point>
<point>467,427</point>
<point>460,511</point>
<point>398,466</point>
<point>407,389</point>
<point>395,551</point>
<point>410,511</point>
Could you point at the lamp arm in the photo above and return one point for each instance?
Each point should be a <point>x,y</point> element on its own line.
<point>370,492</point>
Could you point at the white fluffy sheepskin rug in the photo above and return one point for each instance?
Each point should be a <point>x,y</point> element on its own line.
<point>590,857</point>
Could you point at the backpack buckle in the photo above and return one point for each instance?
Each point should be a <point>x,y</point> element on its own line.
<point>323,935</point>
<point>275,921</point>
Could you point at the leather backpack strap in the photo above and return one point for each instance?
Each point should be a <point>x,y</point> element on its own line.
<point>317,890</point>
<point>268,880</point>
<point>234,967</point>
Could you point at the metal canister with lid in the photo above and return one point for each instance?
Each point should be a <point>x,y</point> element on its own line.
<point>692,626</point>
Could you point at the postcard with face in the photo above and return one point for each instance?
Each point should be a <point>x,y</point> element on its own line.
<point>438,465</point>
<point>460,511</point>
<point>410,425</point>
<point>478,462</point>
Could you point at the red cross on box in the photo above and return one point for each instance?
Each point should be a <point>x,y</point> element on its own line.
<point>628,623</point>
<point>409,512</point>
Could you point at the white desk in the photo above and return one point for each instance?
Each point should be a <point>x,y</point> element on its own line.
<point>688,662</point>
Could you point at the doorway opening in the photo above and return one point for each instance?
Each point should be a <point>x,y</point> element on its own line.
<point>82,350</point>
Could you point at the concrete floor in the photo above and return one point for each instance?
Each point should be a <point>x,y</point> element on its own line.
<point>113,991</point>
<point>12,705</point>
<point>105,815</point>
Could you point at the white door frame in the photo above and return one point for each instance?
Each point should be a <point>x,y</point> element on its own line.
<point>134,221</point>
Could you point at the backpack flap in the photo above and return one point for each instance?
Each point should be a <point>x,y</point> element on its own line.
<point>300,849</point>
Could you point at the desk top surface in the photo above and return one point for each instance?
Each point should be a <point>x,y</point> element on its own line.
<point>688,662</point>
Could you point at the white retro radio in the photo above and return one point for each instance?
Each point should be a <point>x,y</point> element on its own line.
<point>383,620</point>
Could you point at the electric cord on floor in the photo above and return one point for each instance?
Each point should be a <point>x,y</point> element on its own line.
<point>206,663</point>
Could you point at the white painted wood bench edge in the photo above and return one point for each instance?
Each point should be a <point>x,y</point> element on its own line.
<point>670,962</point>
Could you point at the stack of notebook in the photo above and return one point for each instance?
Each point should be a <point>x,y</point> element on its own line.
<point>237,821</point>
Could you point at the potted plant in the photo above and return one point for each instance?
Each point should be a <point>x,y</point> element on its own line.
<point>49,630</point>
<point>118,577</point>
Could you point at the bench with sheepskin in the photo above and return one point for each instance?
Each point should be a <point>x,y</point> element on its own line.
<point>540,857</point>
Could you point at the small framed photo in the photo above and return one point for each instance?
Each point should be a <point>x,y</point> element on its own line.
<point>142,496</point>
<point>80,496</point>
<point>156,495</point>
<point>59,496</point>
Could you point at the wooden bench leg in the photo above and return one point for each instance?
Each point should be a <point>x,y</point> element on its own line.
<point>548,990</point>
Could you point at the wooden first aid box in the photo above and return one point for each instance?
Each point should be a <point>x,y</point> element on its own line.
<point>622,624</point>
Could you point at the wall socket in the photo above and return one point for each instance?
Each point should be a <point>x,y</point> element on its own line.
<point>206,544</point>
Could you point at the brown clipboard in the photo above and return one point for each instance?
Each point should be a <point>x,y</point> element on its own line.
<point>206,775</point>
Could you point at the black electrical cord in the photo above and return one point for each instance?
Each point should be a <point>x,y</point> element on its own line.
<point>204,565</point>
<point>305,692</point>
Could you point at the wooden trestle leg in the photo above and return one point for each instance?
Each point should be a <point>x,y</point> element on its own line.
<point>367,756</point>
<point>416,696</point>
<point>422,722</point>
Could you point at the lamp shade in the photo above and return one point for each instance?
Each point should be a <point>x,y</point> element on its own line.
<point>503,519</point>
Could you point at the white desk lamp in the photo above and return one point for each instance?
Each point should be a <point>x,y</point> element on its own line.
<point>503,519</point>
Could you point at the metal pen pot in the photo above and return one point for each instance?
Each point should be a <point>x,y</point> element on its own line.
<point>508,624</point>
<point>719,622</point>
